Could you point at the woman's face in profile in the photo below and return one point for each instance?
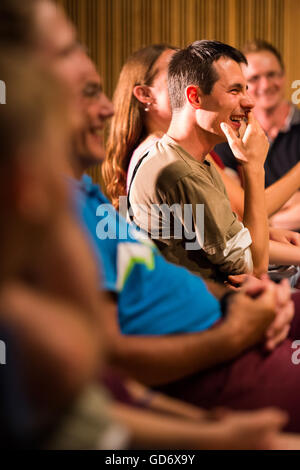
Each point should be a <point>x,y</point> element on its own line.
<point>159,90</point>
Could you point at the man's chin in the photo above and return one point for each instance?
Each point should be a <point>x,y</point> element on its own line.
<point>221,138</point>
<point>96,157</point>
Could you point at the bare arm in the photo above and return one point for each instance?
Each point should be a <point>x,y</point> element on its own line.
<point>155,360</point>
<point>255,218</point>
<point>216,289</point>
<point>163,403</point>
<point>288,218</point>
<point>276,195</point>
<point>284,254</point>
<point>59,346</point>
<point>280,192</point>
<point>280,253</point>
<point>249,430</point>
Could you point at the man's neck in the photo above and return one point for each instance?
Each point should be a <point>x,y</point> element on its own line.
<point>194,140</point>
<point>155,126</point>
<point>74,169</point>
<point>273,120</point>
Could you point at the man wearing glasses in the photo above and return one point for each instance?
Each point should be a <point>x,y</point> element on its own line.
<point>279,118</point>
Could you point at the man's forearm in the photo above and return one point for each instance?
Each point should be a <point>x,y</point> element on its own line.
<point>216,289</point>
<point>288,219</point>
<point>283,253</point>
<point>157,360</point>
<point>255,217</point>
<point>281,191</point>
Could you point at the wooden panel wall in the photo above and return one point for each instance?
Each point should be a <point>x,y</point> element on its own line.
<point>112,29</point>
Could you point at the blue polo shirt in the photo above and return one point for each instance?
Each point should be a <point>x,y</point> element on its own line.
<point>154,296</point>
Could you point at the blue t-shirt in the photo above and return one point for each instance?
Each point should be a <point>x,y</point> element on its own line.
<point>154,296</point>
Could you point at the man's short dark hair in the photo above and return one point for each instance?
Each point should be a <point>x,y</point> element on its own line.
<point>260,45</point>
<point>194,66</point>
<point>17,20</point>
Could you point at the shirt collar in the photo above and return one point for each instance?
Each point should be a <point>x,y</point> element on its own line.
<point>84,184</point>
<point>292,119</point>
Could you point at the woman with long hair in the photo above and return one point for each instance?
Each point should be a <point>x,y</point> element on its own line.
<point>141,109</point>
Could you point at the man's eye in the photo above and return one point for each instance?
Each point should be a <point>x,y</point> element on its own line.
<point>235,91</point>
<point>91,93</point>
<point>272,74</point>
<point>88,93</point>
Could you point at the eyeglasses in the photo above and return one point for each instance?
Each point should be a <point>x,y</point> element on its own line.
<point>271,76</point>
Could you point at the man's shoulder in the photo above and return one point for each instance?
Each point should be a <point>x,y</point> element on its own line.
<point>183,174</point>
<point>170,163</point>
<point>166,152</point>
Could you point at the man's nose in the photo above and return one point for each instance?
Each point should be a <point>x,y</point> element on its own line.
<point>107,108</point>
<point>264,82</point>
<point>247,102</point>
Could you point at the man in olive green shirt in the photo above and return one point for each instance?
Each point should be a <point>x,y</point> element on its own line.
<point>176,194</point>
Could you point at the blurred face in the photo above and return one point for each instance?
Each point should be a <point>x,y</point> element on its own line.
<point>266,80</point>
<point>96,109</point>
<point>57,45</point>
<point>228,102</point>
<point>44,188</point>
<point>159,90</point>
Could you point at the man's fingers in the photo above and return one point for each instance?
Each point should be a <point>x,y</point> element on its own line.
<point>269,296</point>
<point>283,292</point>
<point>233,141</point>
<point>271,417</point>
<point>254,286</point>
<point>295,239</point>
<point>268,419</point>
<point>272,343</point>
<point>229,133</point>
<point>238,279</point>
<point>283,318</point>
<point>251,119</point>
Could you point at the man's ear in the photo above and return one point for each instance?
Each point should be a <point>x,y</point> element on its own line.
<point>193,95</point>
<point>143,94</point>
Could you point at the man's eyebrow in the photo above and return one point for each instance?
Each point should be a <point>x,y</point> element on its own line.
<point>238,85</point>
<point>70,48</point>
<point>256,75</point>
<point>92,87</point>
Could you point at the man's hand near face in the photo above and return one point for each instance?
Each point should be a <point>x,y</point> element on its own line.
<point>251,151</point>
<point>252,146</point>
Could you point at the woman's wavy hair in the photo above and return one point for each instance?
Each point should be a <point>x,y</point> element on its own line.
<point>127,128</point>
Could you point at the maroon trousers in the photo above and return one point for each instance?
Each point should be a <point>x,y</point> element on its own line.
<point>254,380</point>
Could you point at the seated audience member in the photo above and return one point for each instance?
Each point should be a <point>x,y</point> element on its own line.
<point>96,109</point>
<point>280,119</point>
<point>179,176</point>
<point>50,319</point>
<point>162,359</point>
<point>144,114</point>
